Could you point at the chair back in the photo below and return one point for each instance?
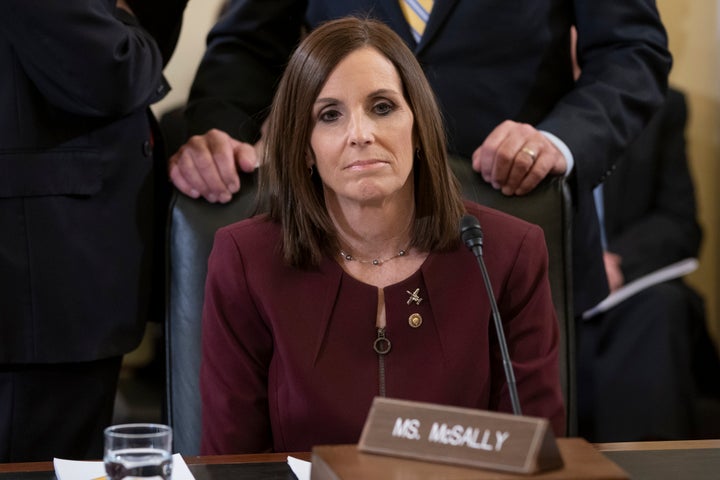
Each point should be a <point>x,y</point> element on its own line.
<point>191,230</point>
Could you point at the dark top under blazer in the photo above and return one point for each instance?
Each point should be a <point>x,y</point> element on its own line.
<point>288,358</point>
<point>487,61</point>
<point>75,179</point>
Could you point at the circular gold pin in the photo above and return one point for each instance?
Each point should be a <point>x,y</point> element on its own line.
<point>415,320</point>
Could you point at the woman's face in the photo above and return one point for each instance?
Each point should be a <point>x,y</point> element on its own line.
<point>362,139</point>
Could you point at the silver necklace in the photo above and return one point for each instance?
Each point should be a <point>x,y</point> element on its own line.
<point>378,262</point>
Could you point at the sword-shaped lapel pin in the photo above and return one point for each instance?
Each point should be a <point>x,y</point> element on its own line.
<point>414,297</point>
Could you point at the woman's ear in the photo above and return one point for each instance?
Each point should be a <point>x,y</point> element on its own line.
<point>309,158</point>
<point>310,161</point>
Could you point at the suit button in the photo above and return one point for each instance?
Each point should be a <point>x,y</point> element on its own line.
<point>147,148</point>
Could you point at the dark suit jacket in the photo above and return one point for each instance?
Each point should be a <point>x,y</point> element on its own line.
<point>162,19</point>
<point>288,358</point>
<point>488,61</point>
<point>650,211</point>
<point>76,194</point>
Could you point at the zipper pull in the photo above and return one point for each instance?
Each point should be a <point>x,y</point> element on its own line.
<point>381,345</point>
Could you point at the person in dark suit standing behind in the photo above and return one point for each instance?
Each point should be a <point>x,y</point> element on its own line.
<point>636,359</point>
<point>503,76</point>
<point>76,215</point>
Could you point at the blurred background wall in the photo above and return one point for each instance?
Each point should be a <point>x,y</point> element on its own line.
<point>200,15</point>
<point>694,33</point>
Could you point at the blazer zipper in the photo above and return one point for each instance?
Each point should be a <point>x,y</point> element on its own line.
<point>382,347</point>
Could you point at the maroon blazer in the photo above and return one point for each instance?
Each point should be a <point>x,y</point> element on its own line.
<point>288,359</point>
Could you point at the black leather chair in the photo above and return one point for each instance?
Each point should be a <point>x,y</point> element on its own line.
<point>191,231</point>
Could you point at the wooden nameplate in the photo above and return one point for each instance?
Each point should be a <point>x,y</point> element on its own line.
<point>460,436</point>
<point>345,462</point>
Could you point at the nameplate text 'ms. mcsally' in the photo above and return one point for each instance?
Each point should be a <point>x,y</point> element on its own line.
<point>460,436</point>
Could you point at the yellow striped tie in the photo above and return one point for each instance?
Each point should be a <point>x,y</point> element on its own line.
<point>417,13</point>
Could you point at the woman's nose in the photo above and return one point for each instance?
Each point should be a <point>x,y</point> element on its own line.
<point>361,130</point>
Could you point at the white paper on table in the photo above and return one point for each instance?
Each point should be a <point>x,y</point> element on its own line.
<point>300,468</point>
<point>674,270</point>
<point>84,470</point>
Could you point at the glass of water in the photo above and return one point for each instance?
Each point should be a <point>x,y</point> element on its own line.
<point>138,450</point>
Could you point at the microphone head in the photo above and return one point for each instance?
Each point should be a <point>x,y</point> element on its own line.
<point>470,231</point>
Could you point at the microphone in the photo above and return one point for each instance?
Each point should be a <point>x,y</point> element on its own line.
<point>472,235</point>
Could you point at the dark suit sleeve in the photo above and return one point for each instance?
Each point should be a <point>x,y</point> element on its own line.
<point>82,57</point>
<point>162,19</point>
<point>669,232</point>
<point>622,51</point>
<point>247,51</point>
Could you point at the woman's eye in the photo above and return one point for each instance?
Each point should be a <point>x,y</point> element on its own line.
<point>329,115</point>
<point>383,108</point>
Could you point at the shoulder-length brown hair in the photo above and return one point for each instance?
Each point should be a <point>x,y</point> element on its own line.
<point>295,199</point>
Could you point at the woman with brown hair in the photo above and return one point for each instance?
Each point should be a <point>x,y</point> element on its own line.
<point>355,283</point>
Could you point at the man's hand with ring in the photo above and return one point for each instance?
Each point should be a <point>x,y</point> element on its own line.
<point>207,165</point>
<point>516,157</point>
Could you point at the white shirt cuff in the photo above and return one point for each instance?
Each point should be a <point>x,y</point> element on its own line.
<point>560,145</point>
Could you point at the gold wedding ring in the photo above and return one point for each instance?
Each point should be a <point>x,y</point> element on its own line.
<point>531,152</point>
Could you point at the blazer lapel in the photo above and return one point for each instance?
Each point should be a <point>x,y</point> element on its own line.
<point>323,290</point>
<point>391,10</point>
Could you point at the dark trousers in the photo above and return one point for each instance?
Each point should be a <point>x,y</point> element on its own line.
<point>56,410</point>
<point>635,373</point>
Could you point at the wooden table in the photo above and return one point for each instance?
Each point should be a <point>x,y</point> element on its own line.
<point>692,459</point>
<point>266,466</point>
<point>677,460</point>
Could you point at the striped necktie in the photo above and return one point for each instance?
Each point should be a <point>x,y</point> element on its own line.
<point>416,13</point>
